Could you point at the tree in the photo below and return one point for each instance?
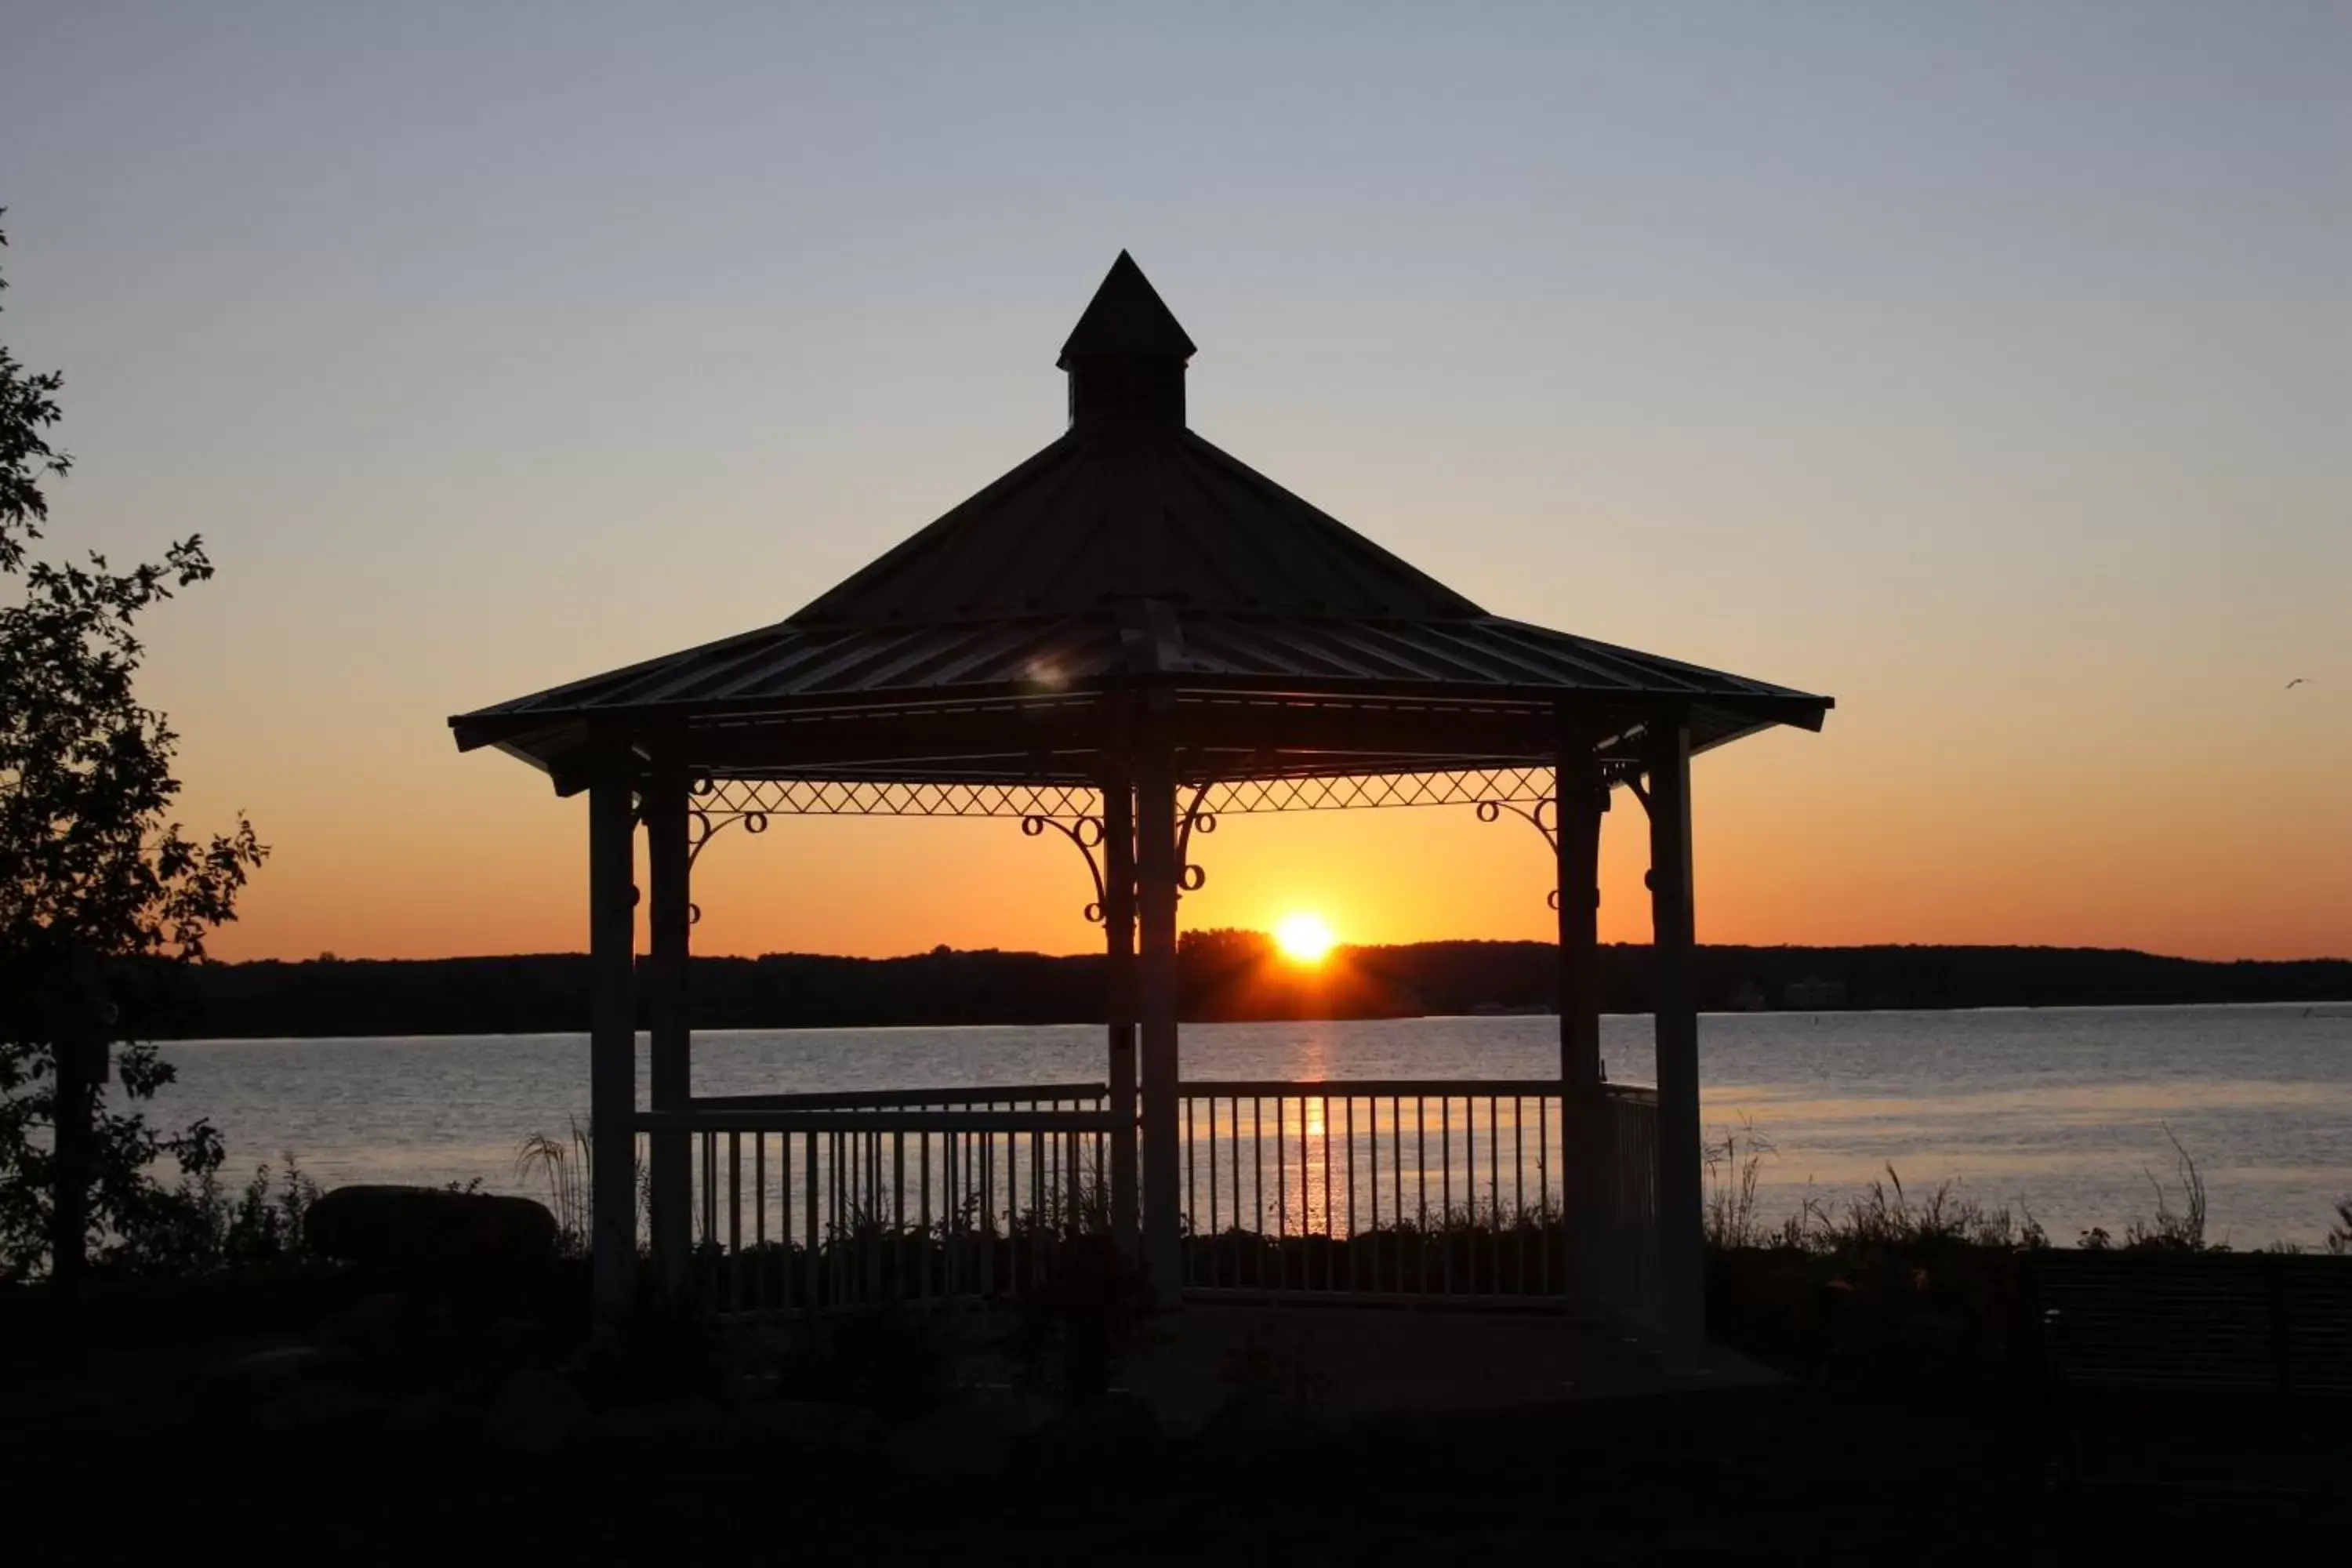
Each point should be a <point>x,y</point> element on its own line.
<point>94,875</point>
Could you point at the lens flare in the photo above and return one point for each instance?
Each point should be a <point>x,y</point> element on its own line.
<point>1305,938</point>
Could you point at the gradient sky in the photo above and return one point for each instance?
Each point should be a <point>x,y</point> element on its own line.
<point>1987,367</point>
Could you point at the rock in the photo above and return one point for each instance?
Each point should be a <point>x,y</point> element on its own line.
<point>427,1233</point>
<point>1249,1424</point>
<point>536,1414</point>
<point>236,1389</point>
<point>960,1443</point>
<point>265,1373</point>
<point>672,1426</point>
<point>317,1407</point>
<point>512,1340</point>
<point>809,1426</point>
<point>1015,1412</point>
<point>289,1390</point>
<point>374,1325</point>
<point>1111,1428</point>
<point>428,1415</point>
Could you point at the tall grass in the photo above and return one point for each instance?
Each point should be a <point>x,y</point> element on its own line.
<point>2182,1228</point>
<point>564,1169</point>
<point>1883,1214</point>
<point>1734,1168</point>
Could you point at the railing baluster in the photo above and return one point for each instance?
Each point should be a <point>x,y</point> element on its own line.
<point>1420,1132</point>
<point>1043,1209</point>
<point>1191,1200</point>
<point>923,1208</point>
<point>1445,1191</point>
<point>1212,1270</point>
<point>1329,1262</point>
<point>1250,1227</point>
<point>1257,1182</point>
<point>1543,1185</point>
<point>1470,1184</point>
<point>1281,1197</point>
<point>709,1185</point>
<point>1349,1102</point>
<point>1520,1184</point>
<point>812,1298</point>
<point>1373,1241</point>
<point>1493,1191</point>
<point>988,1213</point>
<point>735,1220</point>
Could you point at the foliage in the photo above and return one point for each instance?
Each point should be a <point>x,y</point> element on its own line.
<point>93,872</point>
<point>198,1227</point>
<point>1092,1310</point>
<point>886,1358</point>
<point>2339,1234</point>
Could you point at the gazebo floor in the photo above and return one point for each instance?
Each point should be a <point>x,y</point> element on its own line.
<point>1363,1360</point>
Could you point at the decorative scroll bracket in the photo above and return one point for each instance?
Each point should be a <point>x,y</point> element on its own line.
<point>1544,818</point>
<point>1190,878</point>
<point>703,825</point>
<point>1087,833</point>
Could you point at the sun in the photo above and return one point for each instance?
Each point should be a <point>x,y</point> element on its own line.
<point>1305,938</point>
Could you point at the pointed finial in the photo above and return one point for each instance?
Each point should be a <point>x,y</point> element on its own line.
<point>1126,356</point>
<point>1126,316</point>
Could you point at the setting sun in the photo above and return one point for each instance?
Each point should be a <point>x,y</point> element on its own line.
<point>1304,937</point>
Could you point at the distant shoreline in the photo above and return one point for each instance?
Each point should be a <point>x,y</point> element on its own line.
<point>2344,1003</point>
<point>1226,977</point>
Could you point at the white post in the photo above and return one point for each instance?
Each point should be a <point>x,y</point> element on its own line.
<point>1682,1280</point>
<point>669,916</point>
<point>1579,797</point>
<point>1156,872</point>
<point>612,1037</point>
<point>1118,940</point>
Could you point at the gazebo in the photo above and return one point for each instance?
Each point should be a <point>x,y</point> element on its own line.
<point>1124,636</point>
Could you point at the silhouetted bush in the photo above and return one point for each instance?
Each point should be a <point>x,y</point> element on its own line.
<point>896,1362</point>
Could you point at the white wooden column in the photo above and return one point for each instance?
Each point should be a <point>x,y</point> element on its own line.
<point>1156,872</point>
<point>611,1033</point>
<point>1118,940</point>
<point>1681,1283</point>
<point>669,917</point>
<point>1578,800</point>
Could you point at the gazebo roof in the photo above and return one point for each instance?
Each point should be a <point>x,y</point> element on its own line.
<point>1130,553</point>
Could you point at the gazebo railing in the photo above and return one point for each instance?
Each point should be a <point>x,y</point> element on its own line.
<point>1419,1189</point>
<point>812,1203</point>
<point>1448,1189</point>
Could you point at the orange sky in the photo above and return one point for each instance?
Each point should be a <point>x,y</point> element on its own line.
<point>1986,369</point>
<point>1800,839</point>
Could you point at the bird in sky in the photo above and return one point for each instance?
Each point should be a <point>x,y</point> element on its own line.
<point>2298,680</point>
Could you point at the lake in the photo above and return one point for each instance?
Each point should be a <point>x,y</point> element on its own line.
<point>2062,1110</point>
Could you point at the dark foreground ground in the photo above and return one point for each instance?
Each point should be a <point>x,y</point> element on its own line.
<point>120,1447</point>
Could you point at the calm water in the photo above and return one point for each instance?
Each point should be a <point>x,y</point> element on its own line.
<point>2063,1110</point>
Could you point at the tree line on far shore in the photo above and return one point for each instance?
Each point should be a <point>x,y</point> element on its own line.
<point>1225,975</point>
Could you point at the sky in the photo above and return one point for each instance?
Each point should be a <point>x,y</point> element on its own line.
<point>1988,368</point>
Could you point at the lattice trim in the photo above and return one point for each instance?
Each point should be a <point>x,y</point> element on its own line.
<point>833,798</point>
